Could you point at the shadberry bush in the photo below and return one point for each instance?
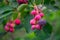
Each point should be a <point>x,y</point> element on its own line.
<point>29,19</point>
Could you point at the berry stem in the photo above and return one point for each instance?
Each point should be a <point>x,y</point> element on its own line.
<point>18,15</point>
<point>35,7</point>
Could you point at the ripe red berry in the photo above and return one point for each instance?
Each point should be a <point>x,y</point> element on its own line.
<point>34,12</point>
<point>32,22</point>
<point>38,27</point>
<point>41,14</point>
<point>11,30</point>
<point>22,1</point>
<point>37,17</point>
<point>6,28</point>
<point>32,27</point>
<point>17,21</point>
<point>26,1</point>
<point>7,24</point>
<point>11,25</point>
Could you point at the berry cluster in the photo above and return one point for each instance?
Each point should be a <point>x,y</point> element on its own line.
<point>22,1</point>
<point>9,27</point>
<point>37,21</point>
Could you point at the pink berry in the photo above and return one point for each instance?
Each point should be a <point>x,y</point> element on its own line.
<point>38,27</point>
<point>33,27</point>
<point>41,14</point>
<point>11,30</point>
<point>32,22</point>
<point>26,1</point>
<point>37,17</point>
<point>11,25</point>
<point>22,1</point>
<point>6,28</point>
<point>7,24</point>
<point>17,21</point>
<point>33,12</point>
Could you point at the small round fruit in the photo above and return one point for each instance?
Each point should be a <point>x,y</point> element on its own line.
<point>22,1</point>
<point>42,22</point>
<point>6,28</point>
<point>33,12</point>
<point>32,27</point>
<point>38,27</point>
<point>11,25</point>
<point>7,24</point>
<point>17,21</point>
<point>25,1</point>
<point>41,14</point>
<point>32,22</point>
<point>37,17</point>
<point>11,30</point>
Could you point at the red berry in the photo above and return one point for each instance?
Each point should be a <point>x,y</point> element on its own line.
<point>26,1</point>
<point>32,22</point>
<point>11,25</point>
<point>33,27</point>
<point>10,21</point>
<point>22,1</point>
<point>38,27</point>
<point>41,14</point>
<point>11,30</point>
<point>7,24</point>
<point>17,21</point>
<point>37,17</point>
<point>6,28</point>
<point>34,12</point>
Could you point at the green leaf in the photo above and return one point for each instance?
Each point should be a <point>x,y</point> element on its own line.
<point>26,23</point>
<point>38,1</point>
<point>5,18</point>
<point>57,21</point>
<point>14,4</point>
<point>14,15</point>
<point>18,38</point>
<point>17,27</point>
<point>21,7</point>
<point>30,36</point>
<point>24,13</point>
<point>50,15</point>
<point>5,9</point>
<point>40,35</point>
<point>47,1</point>
<point>5,15</point>
<point>4,22</point>
<point>47,28</point>
<point>11,0</point>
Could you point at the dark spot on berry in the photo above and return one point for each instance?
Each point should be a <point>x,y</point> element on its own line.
<point>42,22</point>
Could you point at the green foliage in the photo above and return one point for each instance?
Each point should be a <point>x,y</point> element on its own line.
<point>21,7</point>
<point>47,28</point>
<point>9,9</point>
